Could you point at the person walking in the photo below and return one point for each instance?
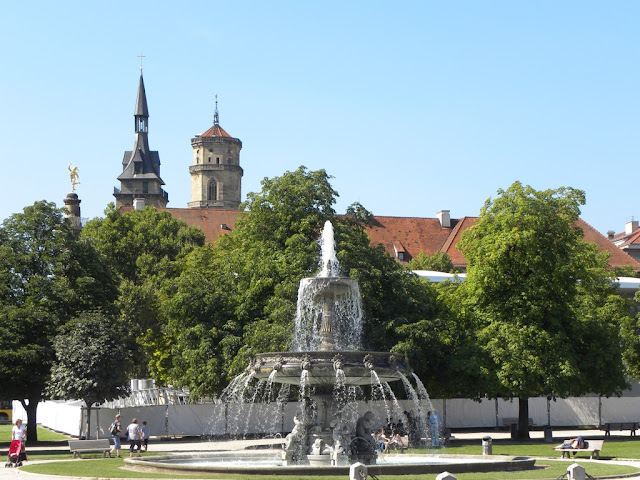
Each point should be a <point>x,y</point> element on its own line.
<point>115,430</point>
<point>145,436</point>
<point>134,432</point>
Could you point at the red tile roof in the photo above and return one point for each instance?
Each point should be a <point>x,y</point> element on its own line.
<point>410,235</point>
<point>216,131</point>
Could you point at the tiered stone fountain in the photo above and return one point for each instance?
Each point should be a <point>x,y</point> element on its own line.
<point>325,360</point>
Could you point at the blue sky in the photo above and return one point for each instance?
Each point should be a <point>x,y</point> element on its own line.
<point>413,106</point>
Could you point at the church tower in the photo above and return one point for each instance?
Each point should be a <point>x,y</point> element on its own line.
<point>216,174</point>
<point>140,182</point>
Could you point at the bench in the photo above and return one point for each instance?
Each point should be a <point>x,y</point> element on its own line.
<point>632,426</point>
<point>77,447</point>
<point>593,446</point>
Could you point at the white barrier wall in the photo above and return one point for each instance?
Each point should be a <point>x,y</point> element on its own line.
<point>221,419</point>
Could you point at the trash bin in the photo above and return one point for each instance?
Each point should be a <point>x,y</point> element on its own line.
<point>514,431</point>
<point>548,434</point>
<point>487,448</point>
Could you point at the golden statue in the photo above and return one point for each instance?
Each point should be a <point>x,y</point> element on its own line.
<point>75,177</point>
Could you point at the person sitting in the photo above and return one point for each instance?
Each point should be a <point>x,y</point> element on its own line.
<point>382,441</point>
<point>396,440</point>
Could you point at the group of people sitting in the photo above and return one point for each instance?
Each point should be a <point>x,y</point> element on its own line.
<point>383,441</point>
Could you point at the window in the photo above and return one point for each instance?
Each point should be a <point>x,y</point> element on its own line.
<point>217,160</point>
<point>212,190</point>
<point>209,159</point>
<point>145,187</point>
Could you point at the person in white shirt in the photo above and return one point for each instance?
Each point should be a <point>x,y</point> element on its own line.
<point>19,431</point>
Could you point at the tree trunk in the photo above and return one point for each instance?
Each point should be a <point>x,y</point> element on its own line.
<point>87,433</point>
<point>523,418</point>
<point>31,409</point>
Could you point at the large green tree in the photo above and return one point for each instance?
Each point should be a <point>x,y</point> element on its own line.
<point>545,311</point>
<point>146,249</point>
<point>47,276</point>
<point>89,363</point>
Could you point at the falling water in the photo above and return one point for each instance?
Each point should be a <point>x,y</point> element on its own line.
<point>376,385</point>
<point>419,415</point>
<point>423,395</point>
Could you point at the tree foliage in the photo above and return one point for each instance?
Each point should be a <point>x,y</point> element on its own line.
<point>146,249</point>
<point>47,277</point>
<point>438,262</point>
<point>89,362</point>
<point>540,298</point>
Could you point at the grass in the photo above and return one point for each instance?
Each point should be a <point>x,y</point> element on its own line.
<point>545,468</point>
<point>44,435</point>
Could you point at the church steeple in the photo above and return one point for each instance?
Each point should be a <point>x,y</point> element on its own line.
<point>140,182</point>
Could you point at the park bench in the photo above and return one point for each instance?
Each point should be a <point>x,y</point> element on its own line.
<point>593,446</point>
<point>77,447</point>
<point>632,426</point>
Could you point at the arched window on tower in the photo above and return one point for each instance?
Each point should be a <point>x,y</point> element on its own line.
<point>212,190</point>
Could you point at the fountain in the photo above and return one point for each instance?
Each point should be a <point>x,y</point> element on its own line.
<point>332,375</point>
<point>326,362</point>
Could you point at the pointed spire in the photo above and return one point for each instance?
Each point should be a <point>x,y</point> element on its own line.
<point>141,102</point>
<point>216,117</point>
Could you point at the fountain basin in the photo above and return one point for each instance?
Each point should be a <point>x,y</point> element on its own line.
<point>322,366</point>
<point>269,463</point>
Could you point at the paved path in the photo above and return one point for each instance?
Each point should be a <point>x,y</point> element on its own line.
<point>185,446</point>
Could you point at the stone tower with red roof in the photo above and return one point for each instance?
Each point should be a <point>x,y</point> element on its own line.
<point>216,174</point>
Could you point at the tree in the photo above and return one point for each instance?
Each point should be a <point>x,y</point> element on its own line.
<point>47,276</point>
<point>540,299</point>
<point>438,262</point>
<point>89,363</point>
<point>147,249</point>
<point>239,299</point>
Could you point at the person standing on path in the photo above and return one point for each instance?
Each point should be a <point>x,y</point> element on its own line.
<point>145,436</point>
<point>115,430</point>
<point>134,432</point>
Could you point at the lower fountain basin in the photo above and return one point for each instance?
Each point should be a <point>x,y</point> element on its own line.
<point>322,366</point>
<point>269,463</point>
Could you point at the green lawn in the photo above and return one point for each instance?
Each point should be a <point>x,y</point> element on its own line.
<point>44,435</point>
<point>545,469</point>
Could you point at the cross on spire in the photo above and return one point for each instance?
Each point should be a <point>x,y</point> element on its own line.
<point>141,56</point>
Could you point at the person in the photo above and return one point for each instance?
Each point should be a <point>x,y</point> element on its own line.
<point>145,436</point>
<point>434,422</point>
<point>134,432</point>
<point>396,439</point>
<point>575,443</point>
<point>384,441</point>
<point>115,430</point>
<point>19,431</point>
